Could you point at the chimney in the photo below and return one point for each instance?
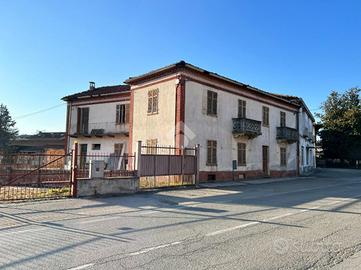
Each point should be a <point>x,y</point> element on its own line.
<point>91,85</point>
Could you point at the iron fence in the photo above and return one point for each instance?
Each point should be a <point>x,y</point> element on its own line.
<point>30,176</point>
<point>115,165</point>
<point>167,166</point>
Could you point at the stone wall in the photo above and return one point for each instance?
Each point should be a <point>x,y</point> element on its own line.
<point>109,186</point>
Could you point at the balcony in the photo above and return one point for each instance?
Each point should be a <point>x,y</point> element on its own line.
<point>287,134</point>
<point>246,127</point>
<point>101,129</point>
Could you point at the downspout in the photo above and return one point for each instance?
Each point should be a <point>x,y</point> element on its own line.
<point>298,142</point>
<point>179,112</point>
<point>68,124</point>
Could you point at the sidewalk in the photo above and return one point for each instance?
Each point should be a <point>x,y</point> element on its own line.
<point>248,182</point>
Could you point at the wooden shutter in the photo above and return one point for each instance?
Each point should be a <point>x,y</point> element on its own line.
<point>283,156</point>
<point>211,153</point>
<point>117,116</point>
<point>85,119</point>
<point>241,108</point>
<point>155,101</point>
<point>126,113</point>
<point>241,154</point>
<point>215,97</point>
<point>282,119</point>
<point>150,101</point>
<point>78,120</point>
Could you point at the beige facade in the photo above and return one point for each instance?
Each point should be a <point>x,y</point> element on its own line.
<point>182,102</point>
<point>158,125</point>
<point>170,107</point>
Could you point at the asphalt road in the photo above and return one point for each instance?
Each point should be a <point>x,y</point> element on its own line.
<point>305,223</point>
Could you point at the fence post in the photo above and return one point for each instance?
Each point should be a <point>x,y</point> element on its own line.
<point>134,160</point>
<point>39,172</point>
<point>139,153</point>
<point>182,150</point>
<point>197,147</point>
<point>74,171</point>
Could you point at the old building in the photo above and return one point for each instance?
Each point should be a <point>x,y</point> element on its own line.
<point>242,131</point>
<point>98,119</point>
<point>49,143</point>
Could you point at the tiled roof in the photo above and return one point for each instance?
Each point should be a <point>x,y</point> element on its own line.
<point>99,91</point>
<point>185,65</point>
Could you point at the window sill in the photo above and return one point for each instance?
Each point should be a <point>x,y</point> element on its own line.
<point>152,113</point>
<point>242,165</point>
<point>212,115</point>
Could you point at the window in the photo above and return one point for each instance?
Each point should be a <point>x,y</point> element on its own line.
<point>283,119</point>
<point>152,146</point>
<point>211,103</point>
<point>122,114</point>
<point>211,153</point>
<point>241,108</point>
<point>153,101</point>
<point>302,155</point>
<point>265,116</point>
<point>83,120</point>
<point>283,156</point>
<point>96,146</point>
<point>118,148</point>
<point>307,156</point>
<point>241,149</point>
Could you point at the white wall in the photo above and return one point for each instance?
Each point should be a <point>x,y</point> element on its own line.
<point>102,115</point>
<point>306,144</point>
<point>201,127</point>
<point>107,144</point>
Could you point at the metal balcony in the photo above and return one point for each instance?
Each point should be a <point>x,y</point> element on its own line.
<point>246,127</point>
<point>290,135</point>
<point>99,129</point>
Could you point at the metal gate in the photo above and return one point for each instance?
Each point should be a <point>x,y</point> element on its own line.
<point>35,176</point>
<point>167,166</point>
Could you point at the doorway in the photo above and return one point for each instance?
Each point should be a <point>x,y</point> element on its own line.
<point>265,160</point>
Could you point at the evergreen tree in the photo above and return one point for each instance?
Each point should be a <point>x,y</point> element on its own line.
<point>8,132</point>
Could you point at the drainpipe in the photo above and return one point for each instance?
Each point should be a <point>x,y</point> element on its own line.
<point>298,141</point>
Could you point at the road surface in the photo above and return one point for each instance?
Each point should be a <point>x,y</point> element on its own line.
<point>304,223</point>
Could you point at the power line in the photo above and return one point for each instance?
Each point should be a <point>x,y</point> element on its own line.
<point>40,111</point>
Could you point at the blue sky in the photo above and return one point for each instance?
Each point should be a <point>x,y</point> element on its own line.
<point>49,49</point>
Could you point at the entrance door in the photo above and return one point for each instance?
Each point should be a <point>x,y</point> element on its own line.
<point>83,153</point>
<point>265,159</point>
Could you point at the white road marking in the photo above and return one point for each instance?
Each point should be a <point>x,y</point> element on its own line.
<point>274,218</point>
<point>23,231</point>
<point>110,218</point>
<point>233,228</point>
<point>82,266</point>
<point>278,217</point>
<point>146,250</point>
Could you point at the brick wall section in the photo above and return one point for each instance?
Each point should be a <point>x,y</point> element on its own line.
<point>283,173</point>
<point>228,175</point>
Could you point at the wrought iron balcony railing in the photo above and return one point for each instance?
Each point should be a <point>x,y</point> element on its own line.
<point>99,129</point>
<point>246,127</point>
<point>287,134</point>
